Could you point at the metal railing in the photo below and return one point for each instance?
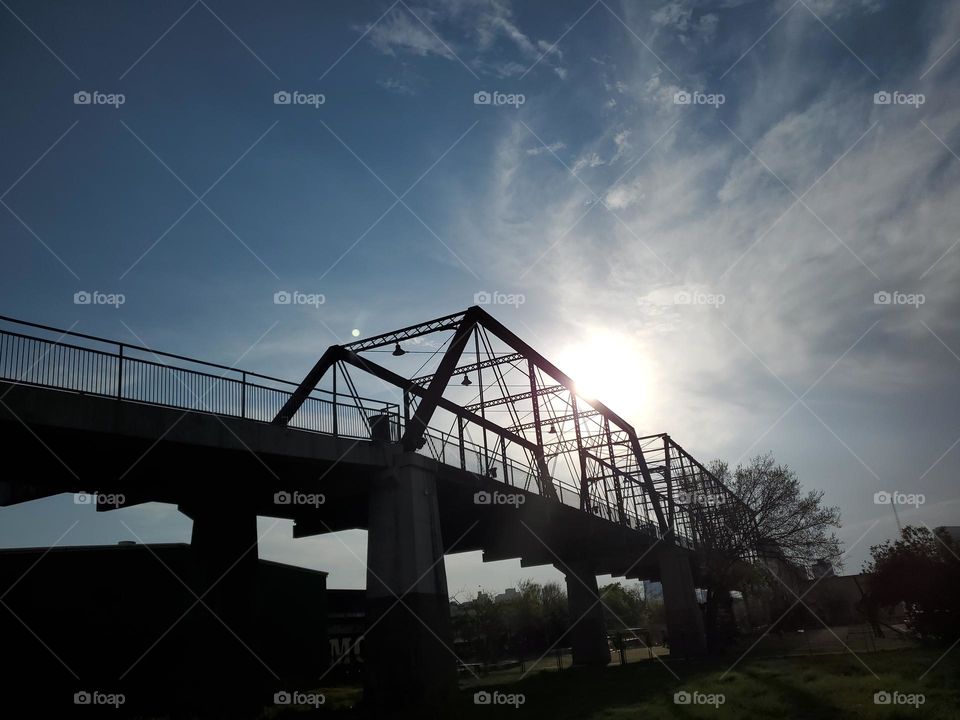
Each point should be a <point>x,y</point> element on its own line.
<point>445,447</point>
<point>137,374</point>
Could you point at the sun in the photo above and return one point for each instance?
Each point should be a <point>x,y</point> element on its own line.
<point>610,367</point>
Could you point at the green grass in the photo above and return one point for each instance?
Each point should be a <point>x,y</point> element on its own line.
<point>816,687</point>
<point>833,687</point>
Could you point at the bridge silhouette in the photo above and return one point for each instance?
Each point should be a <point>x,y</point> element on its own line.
<point>481,444</point>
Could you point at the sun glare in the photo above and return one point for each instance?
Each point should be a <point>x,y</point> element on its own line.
<point>611,368</point>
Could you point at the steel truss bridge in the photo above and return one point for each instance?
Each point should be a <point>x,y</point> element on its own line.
<point>465,390</point>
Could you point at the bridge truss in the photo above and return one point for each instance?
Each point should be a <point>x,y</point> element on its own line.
<point>476,395</point>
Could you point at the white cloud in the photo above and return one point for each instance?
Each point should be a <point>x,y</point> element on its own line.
<point>540,149</point>
<point>624,195</point>
<point>486,35</point>
<point>589,160</point>
<point>675,15</point>
<point>678,18</point>
<point>622,141</point>
<point>397,86</point>
<point>400,32</point>
<point>840,8</point>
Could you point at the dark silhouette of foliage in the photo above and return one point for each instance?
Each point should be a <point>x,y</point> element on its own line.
<point>922,570</point>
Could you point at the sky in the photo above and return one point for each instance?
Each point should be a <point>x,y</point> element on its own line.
<point>736,220</point>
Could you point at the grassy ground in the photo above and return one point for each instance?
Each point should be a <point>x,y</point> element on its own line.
<point>825,686</point>
<point>818,687</point>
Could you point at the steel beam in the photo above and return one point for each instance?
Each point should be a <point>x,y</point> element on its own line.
<point>464,369</point>
<point>408,333</point>
<point>519,397</point>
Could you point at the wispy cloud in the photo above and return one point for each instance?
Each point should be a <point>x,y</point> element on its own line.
<point>400,33</point>
<point>484,34</point>
<point>541,149</point>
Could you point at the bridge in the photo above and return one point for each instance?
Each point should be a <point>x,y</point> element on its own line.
<point>477,442</point>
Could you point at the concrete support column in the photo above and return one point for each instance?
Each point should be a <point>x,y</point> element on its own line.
<point>224,543</point>
<point>408,647</point>
<point>588,634</point>
<point>225,562</point>
<point>685,630</point>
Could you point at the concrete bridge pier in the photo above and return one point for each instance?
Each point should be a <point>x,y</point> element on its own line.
<point>588,634</point>
<point>225,553</point>
<point>685,629</point>
<point>224,543</point>
<point>410,664</point>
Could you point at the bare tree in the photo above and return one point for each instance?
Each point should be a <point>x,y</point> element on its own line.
<point>796,523</point>
<point>787,520</point>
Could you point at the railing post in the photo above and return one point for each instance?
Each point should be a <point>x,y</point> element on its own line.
<point>503,454</point>
<point>243,396</point>
<point>120,373</point>
<point>335,428</point>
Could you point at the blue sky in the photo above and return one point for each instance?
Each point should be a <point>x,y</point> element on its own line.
<point>704,264</point>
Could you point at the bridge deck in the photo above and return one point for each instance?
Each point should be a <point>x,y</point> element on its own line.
<point>74,442</point>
